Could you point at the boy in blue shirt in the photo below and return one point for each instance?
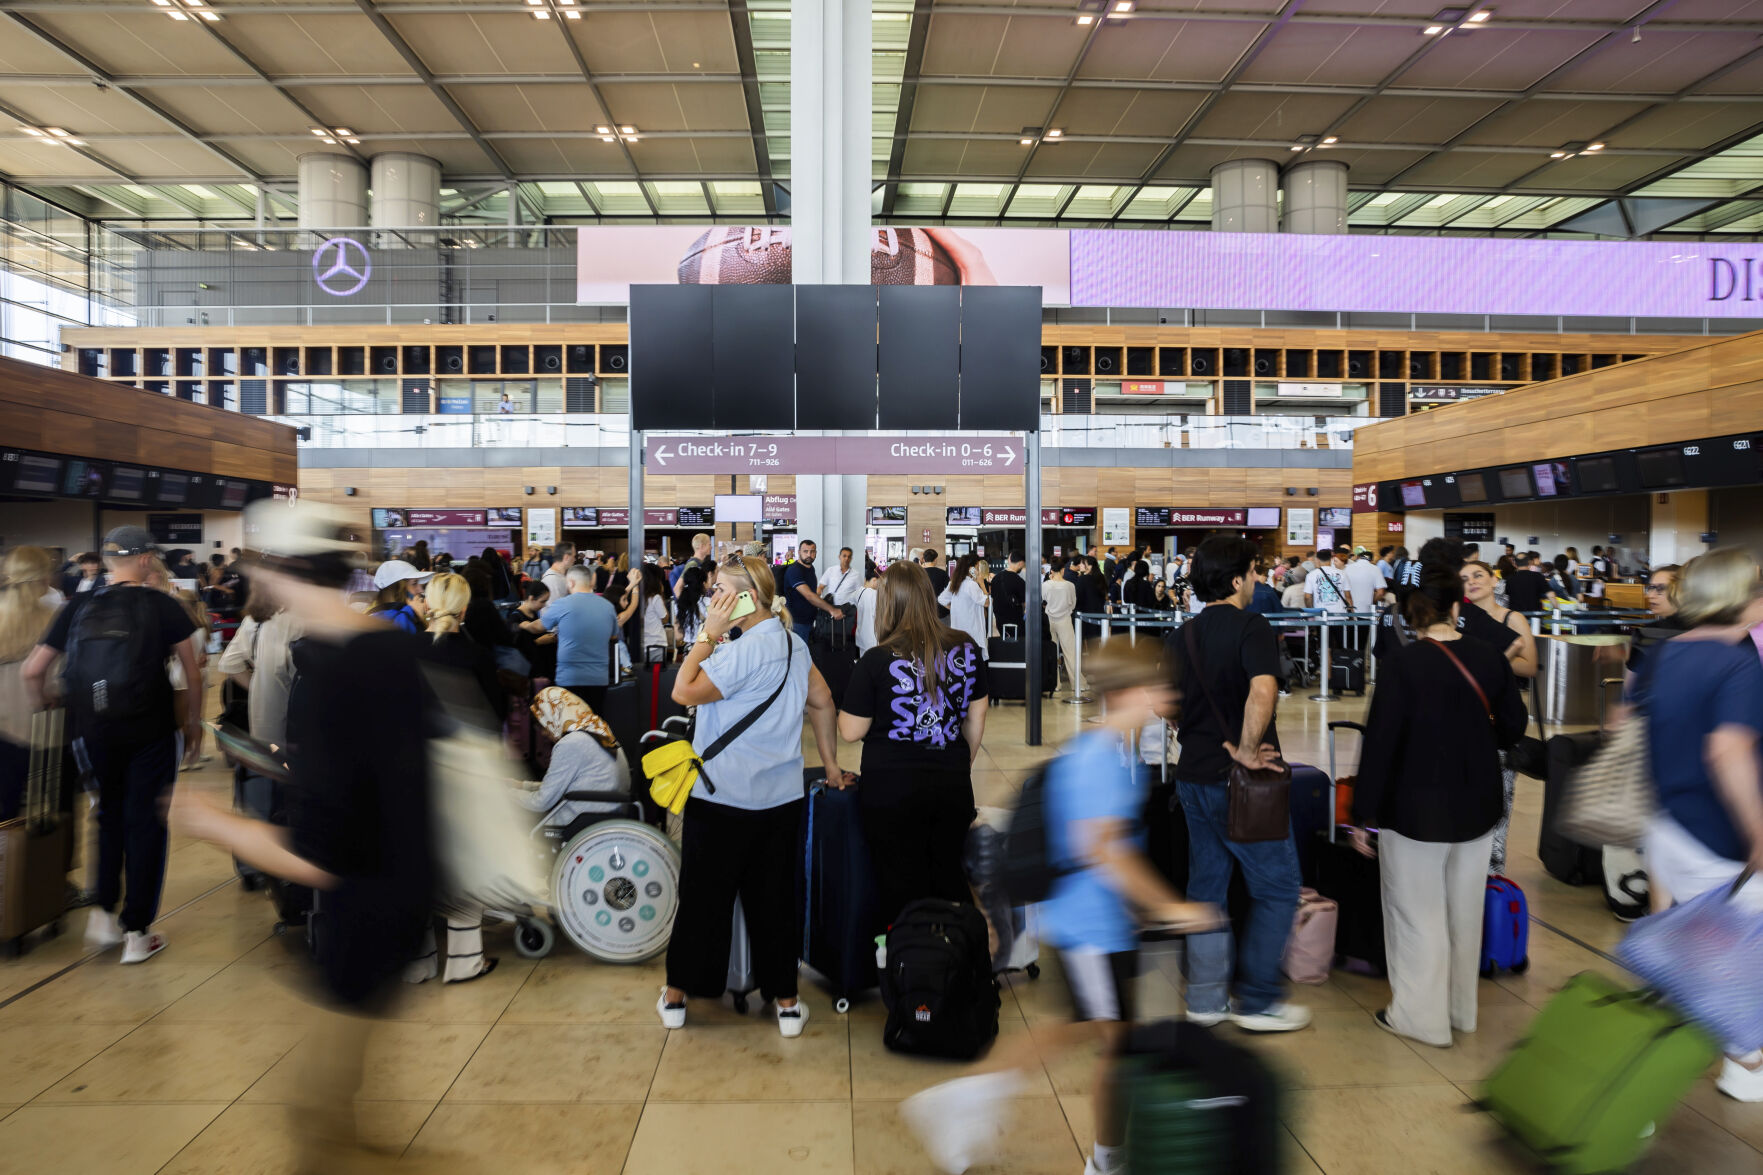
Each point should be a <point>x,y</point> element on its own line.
<point>1094,795</point>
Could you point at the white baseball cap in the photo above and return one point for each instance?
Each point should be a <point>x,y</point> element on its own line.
<point>396,571</point>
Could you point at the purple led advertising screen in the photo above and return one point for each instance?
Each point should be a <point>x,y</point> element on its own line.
<point>1422,275</point>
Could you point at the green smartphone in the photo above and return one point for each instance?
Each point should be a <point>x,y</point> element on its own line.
<point>744,606</point>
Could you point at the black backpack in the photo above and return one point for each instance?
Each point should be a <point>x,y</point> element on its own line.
<point>1027,872</point>
<point>115,674</point>
<point>942,999</point>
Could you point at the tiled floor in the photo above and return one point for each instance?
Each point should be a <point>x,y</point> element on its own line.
<point>184,1065</point>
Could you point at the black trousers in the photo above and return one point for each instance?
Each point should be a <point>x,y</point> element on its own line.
<point>916,823</point>
<point>132,779</point>
<point>726,852</point>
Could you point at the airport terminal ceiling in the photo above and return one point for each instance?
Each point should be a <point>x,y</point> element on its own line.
<point>1625,118</point>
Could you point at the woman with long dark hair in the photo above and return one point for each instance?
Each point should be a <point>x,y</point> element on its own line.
<point>969,605</point>
<point>502,585</point>
<point>694,598</point>
<point>917,703</point>
<point>1429,781</point>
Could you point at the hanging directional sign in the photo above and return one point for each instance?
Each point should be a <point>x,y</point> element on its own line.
<point>791,454</point>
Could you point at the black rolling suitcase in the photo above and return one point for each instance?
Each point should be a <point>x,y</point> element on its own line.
<point>1355,883</point>
<point>1007,665</point>
<point>1346,671</point>
<point>1564,859</point>
<point>836,891</point>
<point>833,649</point>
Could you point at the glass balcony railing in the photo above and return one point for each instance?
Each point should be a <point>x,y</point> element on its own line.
<point>546,430</point>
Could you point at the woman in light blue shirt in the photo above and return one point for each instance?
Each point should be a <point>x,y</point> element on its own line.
<point>740,838</point>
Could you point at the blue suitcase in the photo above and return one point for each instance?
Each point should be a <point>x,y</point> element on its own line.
<point>1505,929</point>
<point>1312,808</point>
<point>837,891</point>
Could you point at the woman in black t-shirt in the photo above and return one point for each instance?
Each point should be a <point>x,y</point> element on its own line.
<point>917,703</point>
<point>1509,632</point>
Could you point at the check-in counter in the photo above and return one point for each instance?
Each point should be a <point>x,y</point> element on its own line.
<point>1578,677</point>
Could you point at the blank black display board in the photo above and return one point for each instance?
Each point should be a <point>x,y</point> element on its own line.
<point>752,356</point>
<point>1000,357</point>
<point>671,356</point>
<point>919,358</point>
<point>835,356</point>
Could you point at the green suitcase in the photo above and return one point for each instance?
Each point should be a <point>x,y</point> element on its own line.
<point>1599,1068</point>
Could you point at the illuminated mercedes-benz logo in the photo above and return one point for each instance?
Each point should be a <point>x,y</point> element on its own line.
<point>341,266</point>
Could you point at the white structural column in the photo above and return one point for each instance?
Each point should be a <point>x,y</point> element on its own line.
<point>1316,197</point>
<point>406,192</point>
<point>830,181</point>
<point>333,191</point>
<point>1245,196</point>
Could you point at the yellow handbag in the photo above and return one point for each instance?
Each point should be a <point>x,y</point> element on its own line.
<point>675,767</point>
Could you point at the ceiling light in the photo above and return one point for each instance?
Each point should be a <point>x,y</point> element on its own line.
<point>1331,140</point>
<point>1595,147</point>
<point>602,130</point>
<point>319,131</point>
<point>1297,146</point>
<point>1557,155</point>
<point>1123,5</point>
<point>74,142</point>
<point>1086,18</point>
<point>56,131</point>
<point>194,3</point>
<point>357,142</point>
<point>627,130</point>
<point>163,3</point>
<point>572,14</point>
<point>1481,17</point>
<point>541,14</point>
<point>329,140</point>
<point>608,139</point>
<point>210,16</point>
<point>536,3</point>
<point>178,15</point>
<point>31,130</point>
<point>1433,30</point>
<point>343,130</point>
<point>567,3</point>
<point>1026,142</point>
<point>1055,133</point>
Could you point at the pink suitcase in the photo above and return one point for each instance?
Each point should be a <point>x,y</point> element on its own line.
<point>1310,950</point>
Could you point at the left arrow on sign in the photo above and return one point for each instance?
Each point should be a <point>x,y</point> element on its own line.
<point>661,454</point>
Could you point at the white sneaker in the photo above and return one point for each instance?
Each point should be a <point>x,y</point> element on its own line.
<point>140,945</point>
<point>791,1021</point>
<point>1739,1083</point>
<point>958,1121</point>
<point>103,931</point>
<point>670,1017</point>
<point>1207,1019</point>
<point>1281,1017</point>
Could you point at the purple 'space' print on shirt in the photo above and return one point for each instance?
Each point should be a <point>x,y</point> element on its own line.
<point>916,716</point>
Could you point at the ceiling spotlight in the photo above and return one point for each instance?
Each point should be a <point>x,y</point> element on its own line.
<point>627,130</point>
<point>602,130</point>
<point>536,3</point>
<point>319,131</point>
<point>1331,140</point>
<point>162,3</point>
<point>608,139</point>
<point>56,131</point>
<point>343,131</point>
<point>1123,5</point>
<point>567,3</point>
<point>1595,147</point>
<point>1637,35</point>
<point>1481,17</point>
<point>1557,155</point>
<point>31,130</point>
<point>541,14</point>
<point>572,14</point>
<point>1433,30</point>
<point>1086,18</point>
<point>1026,142</point>
<point>178,15</point>
<point>210,16</point>
<point>1297,146</point>
<point>1055,133</point>
<point>356,142</point>
<point>74,142</point>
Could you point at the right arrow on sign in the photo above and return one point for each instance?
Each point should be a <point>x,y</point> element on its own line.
<point>1009,457</point>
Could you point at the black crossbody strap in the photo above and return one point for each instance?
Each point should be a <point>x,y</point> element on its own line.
<point>1200,676</point>
<point>738,729</point>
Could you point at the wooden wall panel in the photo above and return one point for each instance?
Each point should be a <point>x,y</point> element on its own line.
<point>1710,389</point>
<point>62,412</point>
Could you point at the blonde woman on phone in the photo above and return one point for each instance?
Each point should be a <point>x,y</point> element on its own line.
<point>740,839</point>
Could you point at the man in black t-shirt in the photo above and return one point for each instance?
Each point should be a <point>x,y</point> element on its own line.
<point>117,640</point>
<point>1526,588</point>
<point>1009,592</point>
<point>1227,667</point>
<point>802,592</point>
<point>939,579</point>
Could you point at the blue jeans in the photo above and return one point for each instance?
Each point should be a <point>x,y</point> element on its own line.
<point>1270,869</point>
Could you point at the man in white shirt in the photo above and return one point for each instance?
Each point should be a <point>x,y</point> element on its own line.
<point>841,586</point>
<point>1326,587</point>
<point>1365,584</point>
<point>556,577</point>
<point>1060,597</point>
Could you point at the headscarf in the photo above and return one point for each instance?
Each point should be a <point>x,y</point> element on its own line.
<point>560,712</point>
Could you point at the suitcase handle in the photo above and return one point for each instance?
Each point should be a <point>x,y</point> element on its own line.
<point>1343,724</point>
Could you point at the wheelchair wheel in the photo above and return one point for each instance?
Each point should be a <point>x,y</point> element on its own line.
<point>616,887</point>
<point>533,938</point>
